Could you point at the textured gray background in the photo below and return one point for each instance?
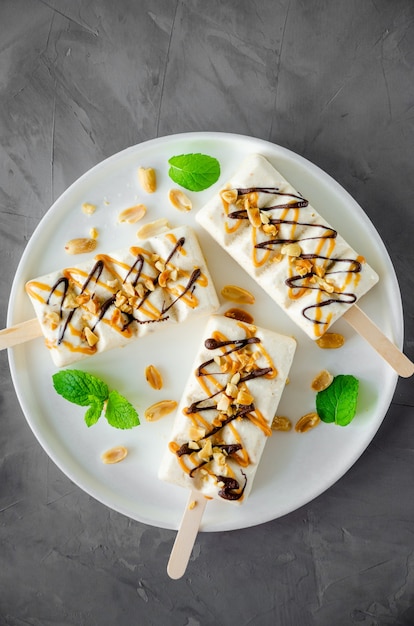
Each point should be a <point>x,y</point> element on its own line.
<point>332,80</point>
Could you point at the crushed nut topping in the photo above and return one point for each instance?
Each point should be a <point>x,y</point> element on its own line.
<point>291,249</point>
<point>197,433</point>
<point>254,217</point>
<point>229,195</point>
<point>91,338</point>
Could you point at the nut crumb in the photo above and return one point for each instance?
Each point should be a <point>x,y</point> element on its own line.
<point>330,341</point>
<point>180,200</point>
<point>229,196</point>
<point>153,377</point>
<point>147,178</point>
<point>281,423</point>
<point>91,338</point>
<point>132,214</point>
<point>159,410</point>
<point>192,505</point>
<point>322,380</point>
<point>153,228</point>
<point>291,249</point>
<point>88,208</point>
<point>307,422</point>
<point>93,233</point>
<point>239,314</point>
<point>237,294</point>
<point>80,246</point>
<point>114,455</point>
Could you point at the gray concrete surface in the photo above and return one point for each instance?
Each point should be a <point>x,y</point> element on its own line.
<point>331,80</point>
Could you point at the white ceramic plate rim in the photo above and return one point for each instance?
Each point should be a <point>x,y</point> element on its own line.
<point>260,514</point>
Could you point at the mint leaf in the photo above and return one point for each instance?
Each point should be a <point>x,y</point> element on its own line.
<point>338,402</point>
<point>94,412</point>
<point>78,386</point>
<point>120,413</point>
<point>88,390</point>
<point>194,171</point>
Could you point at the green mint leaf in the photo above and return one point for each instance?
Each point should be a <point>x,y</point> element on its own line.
<point>78,386</point>
<point>195,172</point>
<point>120,413</point>
<point>338,402</point>
<point>94,412</point>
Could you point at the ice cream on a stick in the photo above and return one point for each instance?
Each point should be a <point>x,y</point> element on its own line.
<point>275,234</point>
<point>114,298</point>
<point>227,408</point>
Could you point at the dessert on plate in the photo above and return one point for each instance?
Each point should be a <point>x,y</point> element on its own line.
<point>225,415</point>
<point>114,298</point>
<point>276,235</point>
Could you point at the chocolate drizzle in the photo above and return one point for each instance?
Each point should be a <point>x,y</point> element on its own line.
<point>213,344</point>
<point>63,280</point>
<point>132,276</point>
<point>231,489</point>
<point>325,232</point>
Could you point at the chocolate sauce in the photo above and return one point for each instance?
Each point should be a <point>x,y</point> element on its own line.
<point>326,233</point>
<point>190,285</point>
<point>231,489</point>
<point>65,282</point>
<point>96,272</point>
<point>213,344</point>
<point>136,267</point>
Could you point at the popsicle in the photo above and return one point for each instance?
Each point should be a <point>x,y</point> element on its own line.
<point>112,299</point>
<point>276,235</point>
<point>224,417</point>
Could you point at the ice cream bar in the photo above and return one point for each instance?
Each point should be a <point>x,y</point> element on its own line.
<point>224,417</point>
<point>114,298</point>
<point>275,234</point>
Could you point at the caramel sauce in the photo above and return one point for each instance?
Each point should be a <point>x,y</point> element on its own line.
<point>287,214</point>
<point>101,285</point>
<point>222,428</point>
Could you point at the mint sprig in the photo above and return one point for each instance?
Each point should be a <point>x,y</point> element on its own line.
<point>194,171</point>
<point>88,390</point>
<point>338,402</point>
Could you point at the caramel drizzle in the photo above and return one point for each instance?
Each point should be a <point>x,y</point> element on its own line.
<point>323,234</point>
<point>60,289</point>
<point>231,490</point>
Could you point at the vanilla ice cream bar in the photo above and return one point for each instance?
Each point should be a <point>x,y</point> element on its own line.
<point>225,415</point>
<point>275,234</point>
<point>114,298</point>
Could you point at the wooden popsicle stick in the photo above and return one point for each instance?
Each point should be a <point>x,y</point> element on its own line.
<point>371,333</point>
<point>186,536</point>
<point>20,333</point>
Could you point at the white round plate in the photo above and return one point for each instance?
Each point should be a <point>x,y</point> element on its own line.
<point>295,468</point>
